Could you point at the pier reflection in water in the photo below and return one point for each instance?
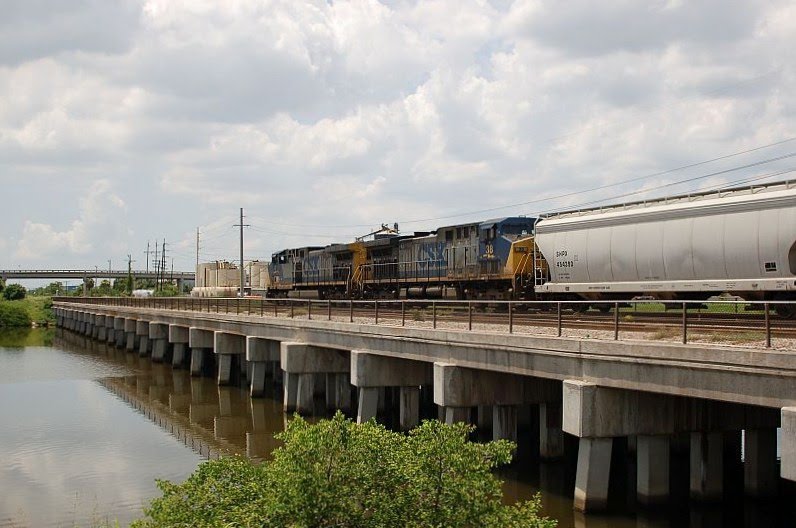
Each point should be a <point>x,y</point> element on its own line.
<point>215,421</point>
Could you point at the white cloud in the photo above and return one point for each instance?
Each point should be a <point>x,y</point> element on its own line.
<point>337,113</point>
<point>101,223</point>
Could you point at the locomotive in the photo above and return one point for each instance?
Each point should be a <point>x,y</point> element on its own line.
<point>740,241</point>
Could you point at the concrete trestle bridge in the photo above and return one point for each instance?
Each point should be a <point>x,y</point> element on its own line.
<point>93,273</point>
<point>664,397</point>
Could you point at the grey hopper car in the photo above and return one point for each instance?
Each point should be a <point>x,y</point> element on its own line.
<point>740,241</point>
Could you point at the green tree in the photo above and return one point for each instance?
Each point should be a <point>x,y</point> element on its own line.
<point>339,473</point>
<point>14,292</point>
<point>2,285</point>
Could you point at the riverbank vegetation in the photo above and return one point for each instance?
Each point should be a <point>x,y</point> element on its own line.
<point>24,312</point>
<point>339,473</point>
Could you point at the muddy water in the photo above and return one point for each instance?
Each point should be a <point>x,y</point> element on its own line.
<point>85,429</point>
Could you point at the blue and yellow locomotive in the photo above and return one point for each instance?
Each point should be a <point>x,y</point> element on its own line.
<point>480,260</point>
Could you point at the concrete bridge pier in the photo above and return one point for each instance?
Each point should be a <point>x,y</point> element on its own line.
<point>760,462</point>
<point>260,354</point>
<point>301,364</point>
<point>201,343</point>
<point>98,321</point>
<point>142,332</point>
<point>371,373</point>
<point>129,331</point>
<point>110,334</point>
<point>459,389</point>
<point>597,414</point>
<point>100,330</point>
<point>159,335</point>
<point>178,338</point>
<point>551,435</point>
<point>230,351</point>
<point>120,338</point>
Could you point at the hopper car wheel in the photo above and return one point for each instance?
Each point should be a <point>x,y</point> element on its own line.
<point>787,311</point>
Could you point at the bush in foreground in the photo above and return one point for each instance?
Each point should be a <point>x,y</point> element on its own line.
<point>14,292</point>
<point>341,474</point>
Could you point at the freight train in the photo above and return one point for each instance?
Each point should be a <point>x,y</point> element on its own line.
<point>740,241</point>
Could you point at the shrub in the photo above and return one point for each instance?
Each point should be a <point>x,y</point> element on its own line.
<point>339,473</point>
<point>13,315</point>
<point>14,292</point>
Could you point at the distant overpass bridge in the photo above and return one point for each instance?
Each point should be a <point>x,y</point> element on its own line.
<point>7,274</point>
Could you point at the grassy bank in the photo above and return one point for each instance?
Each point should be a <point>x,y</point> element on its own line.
<point>15,314</point>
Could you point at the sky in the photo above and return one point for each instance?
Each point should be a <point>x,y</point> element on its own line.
<point>127,122</point>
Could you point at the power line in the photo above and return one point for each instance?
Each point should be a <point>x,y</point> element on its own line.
<point>546,199</point>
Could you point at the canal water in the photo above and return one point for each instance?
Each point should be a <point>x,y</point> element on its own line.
<point>85,429</point>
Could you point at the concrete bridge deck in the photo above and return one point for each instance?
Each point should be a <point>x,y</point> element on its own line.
<point>595,390</point>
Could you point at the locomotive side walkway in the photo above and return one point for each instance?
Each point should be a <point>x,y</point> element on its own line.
<point>596,390</point>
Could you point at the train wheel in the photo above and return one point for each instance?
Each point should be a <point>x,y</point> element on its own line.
<point>788,311</point>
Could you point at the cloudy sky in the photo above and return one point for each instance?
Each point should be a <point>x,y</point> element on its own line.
<point>123,122</point>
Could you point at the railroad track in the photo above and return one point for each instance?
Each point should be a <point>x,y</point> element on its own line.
<point>638,321</point>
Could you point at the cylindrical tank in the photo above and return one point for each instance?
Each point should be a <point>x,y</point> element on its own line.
<point>735,241</point>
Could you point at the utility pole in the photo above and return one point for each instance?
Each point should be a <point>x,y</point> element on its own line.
<point>130,284</point>
<point>197,250</point>
<point>163,264</point>
<point>156,262</point>
<point>242,271</point>
<point>147,253</point>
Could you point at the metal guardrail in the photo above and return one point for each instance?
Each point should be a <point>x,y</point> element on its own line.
<point>726,322</point>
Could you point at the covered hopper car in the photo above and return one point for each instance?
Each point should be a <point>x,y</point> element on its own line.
<point>738,241</point>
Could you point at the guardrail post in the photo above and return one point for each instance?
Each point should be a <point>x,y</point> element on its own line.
<point>309,309</point>
<point>558,308</point>
<point>376,309</point>
<point>768,325</point>
<point>329,310</point>
<point>511,318</point>
<point>291,310</point>
<point>685,323</point>
<point>351,310</point>
<point>403,313</point>
<point>616,321</point>
<point>469,315</point>
<point>434,312</point>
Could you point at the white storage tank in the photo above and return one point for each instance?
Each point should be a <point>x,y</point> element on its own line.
<point>741,240</point>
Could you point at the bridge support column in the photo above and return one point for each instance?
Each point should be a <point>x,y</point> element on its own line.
<point>260,353</point>
<point>760,462</point>
<point>301,364</point>
<point>159,335</point>
<point>551,436</point>
<point>707,466</point>
<point>591,478</point>
<point>227,348</point>
<point>142,332</point>
<point>110,335</point>
<point>371,371</point>
<point>178,337</point>
<point>594,412</point>
<point>504,422</point>
<point>201,343</point>
<point>100,331</point>
<point>652,470</point>
<point>120,338</point>
<point>459,389</point>
<point>129,332</point>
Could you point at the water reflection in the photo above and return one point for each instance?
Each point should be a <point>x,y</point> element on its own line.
<point>213,421</point>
